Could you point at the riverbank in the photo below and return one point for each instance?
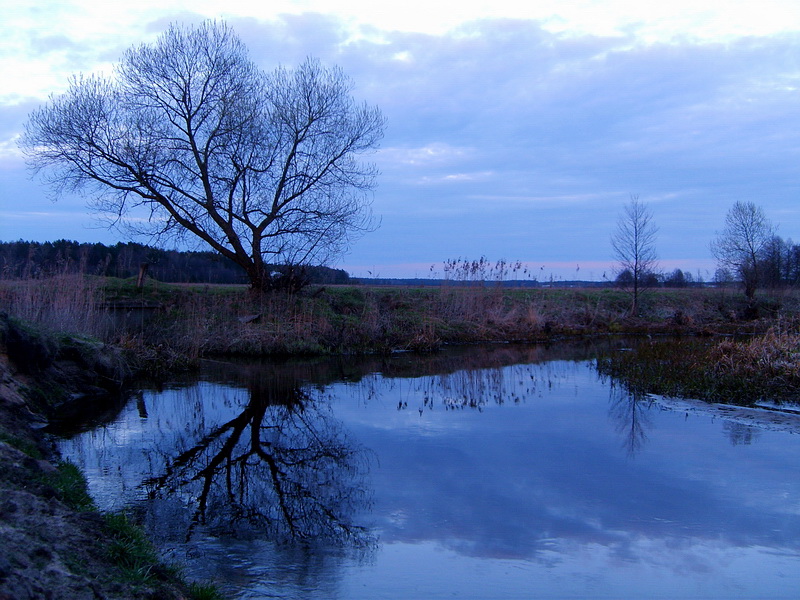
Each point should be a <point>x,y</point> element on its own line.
<point>162,326</point>
<point>195,321</point>
<point>55,543</point>
<point>762,368</point>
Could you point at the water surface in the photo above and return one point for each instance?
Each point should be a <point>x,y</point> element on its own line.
<point>476,473</point>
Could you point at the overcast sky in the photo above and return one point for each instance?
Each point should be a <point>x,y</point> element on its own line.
<point>514,132</point>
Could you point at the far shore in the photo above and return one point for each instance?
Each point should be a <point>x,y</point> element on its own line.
<point>168,325</point>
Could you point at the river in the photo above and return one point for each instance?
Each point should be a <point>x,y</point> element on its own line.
<point>499,472</point>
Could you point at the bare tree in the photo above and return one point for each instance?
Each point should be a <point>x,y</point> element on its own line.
<point>633,243</point>
<point>738,247</point>
<point>262,167</point>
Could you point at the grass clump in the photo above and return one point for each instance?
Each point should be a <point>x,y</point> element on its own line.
<point>130,549</point>
<point>70,485</point>
<point>134,554</point>
<point>205,591</point>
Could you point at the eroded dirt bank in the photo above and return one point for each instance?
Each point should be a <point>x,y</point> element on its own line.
<point>54,544</point>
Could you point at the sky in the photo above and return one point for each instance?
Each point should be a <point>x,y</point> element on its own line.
<point>515,131</point>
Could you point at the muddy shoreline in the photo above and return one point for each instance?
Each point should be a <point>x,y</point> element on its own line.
<point>768,418</point>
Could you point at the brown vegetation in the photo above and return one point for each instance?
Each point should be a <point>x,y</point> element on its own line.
<point>743,371</point>
<point>171,324</point>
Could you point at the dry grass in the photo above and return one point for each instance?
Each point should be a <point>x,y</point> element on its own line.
<point>201,320</point>
<point>68,303</point>
<point>775,354</point>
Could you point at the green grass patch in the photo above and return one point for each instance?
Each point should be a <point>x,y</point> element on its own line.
<point>205,591</point>
<point>23,445</point>
<point>130,549</point>
<point>70,485</point>
<point>134,554</point>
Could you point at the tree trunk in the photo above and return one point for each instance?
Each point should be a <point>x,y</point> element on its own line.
<point>260,280</point>
<point>142,274</point>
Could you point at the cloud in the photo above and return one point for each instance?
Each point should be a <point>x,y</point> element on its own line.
<point>557,507</point>
<point>435,154</point>
<point>510,137</point>
<point>691,126</point>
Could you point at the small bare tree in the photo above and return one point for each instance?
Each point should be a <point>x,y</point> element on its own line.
<point>633,243</point>
<point>739,246</point>
<point>262,167</point>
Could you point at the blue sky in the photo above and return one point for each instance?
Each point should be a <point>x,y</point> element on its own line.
<point>514,132</point>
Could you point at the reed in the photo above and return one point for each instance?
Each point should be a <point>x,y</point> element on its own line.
<point>775,355</point>
<point>67,302</point>
<point>763,367</point>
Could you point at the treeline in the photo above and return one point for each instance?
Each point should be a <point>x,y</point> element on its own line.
<point>675,279</point>
<point>24,260</point>
<point>777,265</point>
<point>506,283</point>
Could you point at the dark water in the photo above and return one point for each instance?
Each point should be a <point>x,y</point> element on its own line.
<point>479,473</point>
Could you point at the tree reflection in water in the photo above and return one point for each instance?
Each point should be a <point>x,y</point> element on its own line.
<point>283,468</point>
<point>740,434</point>
<point>629,412</point>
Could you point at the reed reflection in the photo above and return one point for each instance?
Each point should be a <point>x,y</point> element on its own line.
<point>282,468</point>
<point>478,387</point>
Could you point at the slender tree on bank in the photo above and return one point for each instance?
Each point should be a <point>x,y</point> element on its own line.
<point>633,243</point>
<point>190,137</point>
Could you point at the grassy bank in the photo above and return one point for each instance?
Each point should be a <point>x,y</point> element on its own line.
<point>731,371</point>
<point>170,324</point>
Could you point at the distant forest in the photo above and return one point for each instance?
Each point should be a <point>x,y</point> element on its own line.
<point>22,260</point>
<point>778,265</point>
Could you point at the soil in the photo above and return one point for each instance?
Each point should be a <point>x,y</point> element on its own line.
<point>52,550</point>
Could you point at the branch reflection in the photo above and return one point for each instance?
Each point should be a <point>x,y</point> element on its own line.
<point>283,467</point>
<point>740,434</point>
